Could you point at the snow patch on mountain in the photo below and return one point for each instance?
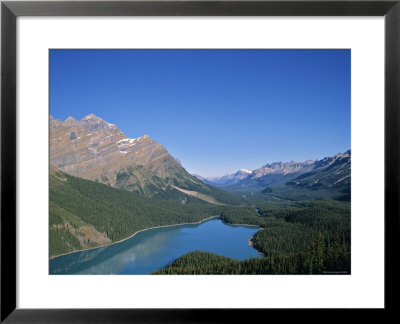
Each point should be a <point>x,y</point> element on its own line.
<point>246,171</point>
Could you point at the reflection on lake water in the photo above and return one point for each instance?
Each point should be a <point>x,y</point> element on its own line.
<point>153,249</point>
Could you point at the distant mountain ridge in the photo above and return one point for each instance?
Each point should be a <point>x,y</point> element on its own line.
<point>282,168</point>
<point>329,172</point>
<point>226,179</point>
<point>95,150</point>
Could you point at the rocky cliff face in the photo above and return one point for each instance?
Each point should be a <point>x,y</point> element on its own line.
<point>93,149</point>
<point>283,168</point>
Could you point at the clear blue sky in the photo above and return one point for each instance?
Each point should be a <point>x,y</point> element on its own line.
<point>216,110</point>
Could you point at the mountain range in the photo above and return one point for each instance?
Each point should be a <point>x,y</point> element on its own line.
<point>96,150</point>
<point>330,173</point>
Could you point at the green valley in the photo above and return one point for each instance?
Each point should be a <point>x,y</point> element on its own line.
<point>294,237</point>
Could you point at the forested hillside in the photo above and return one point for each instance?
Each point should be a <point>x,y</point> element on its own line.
<point>85,214</point>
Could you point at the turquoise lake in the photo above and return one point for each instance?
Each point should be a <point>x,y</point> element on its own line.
<point>155,248</point>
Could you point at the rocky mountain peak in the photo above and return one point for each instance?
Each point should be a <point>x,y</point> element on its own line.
<point>343,155</point>
<point>69,121</point>
<point>90,116</point>
<point>279,168</point>
<point>94,149</point>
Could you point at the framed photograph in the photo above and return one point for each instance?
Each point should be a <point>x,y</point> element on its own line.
<point>175,160</point>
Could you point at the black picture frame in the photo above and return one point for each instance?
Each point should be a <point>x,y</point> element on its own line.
<point>10,10</point>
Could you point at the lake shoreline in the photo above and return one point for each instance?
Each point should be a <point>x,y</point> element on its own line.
<point>137,232</point>
<point>250,241</point>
